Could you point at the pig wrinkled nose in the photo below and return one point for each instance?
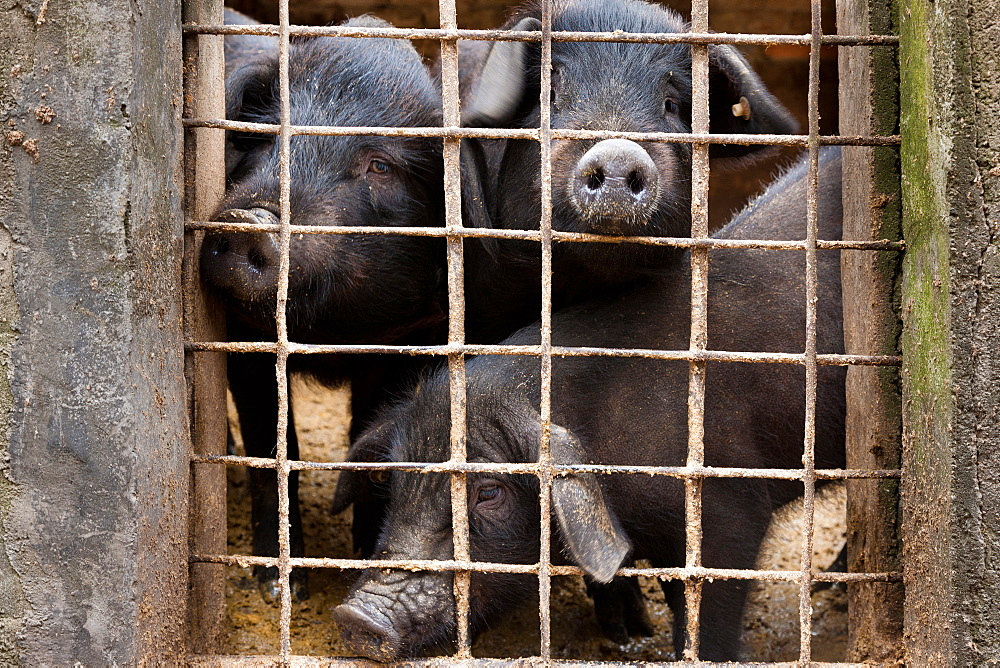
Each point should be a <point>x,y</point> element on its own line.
<point>365,634</point>
<point>615,179</point>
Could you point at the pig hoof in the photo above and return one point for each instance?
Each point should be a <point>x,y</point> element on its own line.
<point>300,588</point>
<point>270,589</point>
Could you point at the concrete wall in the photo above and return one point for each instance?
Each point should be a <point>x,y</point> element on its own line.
<point>950,97</point>
<point>94,447</point>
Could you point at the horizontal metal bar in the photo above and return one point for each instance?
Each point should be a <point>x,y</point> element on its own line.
<point>742,139</point>
<point>494,35</point>
<point>558,351</point>
<point>450,565</point>
<point>558,469</point>
<point>455,132</point>
<point>296,661</point>
<point>449,132</point>
<point>534,235</point>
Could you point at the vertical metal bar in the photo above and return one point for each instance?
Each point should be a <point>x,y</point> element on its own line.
<point>699,327</point>
<point>456,325</point>
<point>545,401</point>
<point>808,459</point>
<point>281,365</point>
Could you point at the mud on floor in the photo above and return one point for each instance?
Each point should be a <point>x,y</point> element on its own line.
<point>771,622</point>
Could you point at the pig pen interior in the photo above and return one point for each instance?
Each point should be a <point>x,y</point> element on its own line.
<point>771,624</point>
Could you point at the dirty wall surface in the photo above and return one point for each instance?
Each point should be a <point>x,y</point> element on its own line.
<point>950,93</point>
<point>93,457</point>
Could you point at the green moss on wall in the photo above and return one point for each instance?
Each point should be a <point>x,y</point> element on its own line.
<point>926,305</point>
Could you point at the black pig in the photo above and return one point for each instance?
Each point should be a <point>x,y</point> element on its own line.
<point>616,411</point>
<point>342,289</point>
<point>613,187</point>
<point>240,49</point>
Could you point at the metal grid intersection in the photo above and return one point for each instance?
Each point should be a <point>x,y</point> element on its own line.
<point>694,472</point>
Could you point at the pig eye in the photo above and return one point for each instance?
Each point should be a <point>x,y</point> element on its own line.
<point>379,477</point>
<point>379,166</point>
<point>489,495</point>
<point>670,106</point>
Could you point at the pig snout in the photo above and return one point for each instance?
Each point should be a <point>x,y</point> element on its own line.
<point>392,614</point>
<point>366,633</point>
<point>244,264</point>
<point>615,186</point>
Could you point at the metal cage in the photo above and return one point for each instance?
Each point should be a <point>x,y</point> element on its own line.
<point>202,120</point>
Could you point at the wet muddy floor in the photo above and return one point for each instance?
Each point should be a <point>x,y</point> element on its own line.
<point>771,621</point>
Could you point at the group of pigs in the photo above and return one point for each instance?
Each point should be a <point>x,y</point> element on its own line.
<point>392,289</point>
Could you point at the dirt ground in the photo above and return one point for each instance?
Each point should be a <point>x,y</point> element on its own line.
<point>771,621</point>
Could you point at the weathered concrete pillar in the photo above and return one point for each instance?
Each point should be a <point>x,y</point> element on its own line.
<point>94,450</point>
<point>950,99</point>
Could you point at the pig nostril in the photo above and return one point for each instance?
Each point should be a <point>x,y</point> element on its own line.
<point>256,259</point>
<point>595,180</point>
<point>221,246</point>
<point>636,183</point>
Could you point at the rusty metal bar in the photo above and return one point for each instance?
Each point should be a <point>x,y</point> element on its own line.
<point>827,359</point>
<point>312,661</point>
<point>456,132</point>
<point>545,405</point>
<point>494,35</point>
<point>811,368</point>
<point>456,327</point>
<point>558,470</point>
<point>281,359</point>
<point>449,565</point>
<point>535,235</point>
<point>699,331</point>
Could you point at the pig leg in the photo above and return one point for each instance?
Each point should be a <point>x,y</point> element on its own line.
<point>254,387</point>
<point>673,592</point>
<point>720,622</point>
<point>620,609</point>
<point>736,517</point>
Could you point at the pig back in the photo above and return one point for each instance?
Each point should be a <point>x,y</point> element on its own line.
<point>635,410</point>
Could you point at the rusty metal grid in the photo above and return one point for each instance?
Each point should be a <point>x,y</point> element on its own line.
<point>693,574</point>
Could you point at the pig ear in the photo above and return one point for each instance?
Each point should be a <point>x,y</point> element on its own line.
<point>503,81</point>
<point>588,527</point>
<point>740,104</point>
<point>356,486</point>
<point>250,89</point>
<point>475,198</point>
<point>250,94</point>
